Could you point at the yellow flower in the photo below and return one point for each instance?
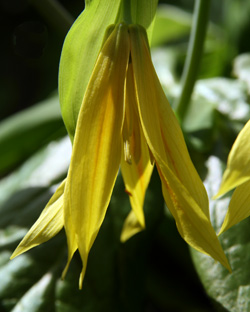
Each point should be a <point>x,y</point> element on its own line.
<point>126,122</point>
<point>237,174</point>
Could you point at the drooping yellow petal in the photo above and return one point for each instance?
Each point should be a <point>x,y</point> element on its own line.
<point>136,173</point>
<point>183,190</point>
<point>238,164</point>
<point>49,223</point>
<point>97,146</point>
<point>239,207</point>
<point>160,126</point>
<point>191,221</point>
<point>136,179</point>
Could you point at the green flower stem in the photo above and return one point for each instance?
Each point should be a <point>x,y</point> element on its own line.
<point>126,11</point>
<point>55,14</point>
<point>195,49</point>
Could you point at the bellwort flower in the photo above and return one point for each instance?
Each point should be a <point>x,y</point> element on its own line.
<point>237,174</point>
<point>126,122</point>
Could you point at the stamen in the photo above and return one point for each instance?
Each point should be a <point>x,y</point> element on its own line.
<point>127,153</point>
<point>135,145</point>
<point>151,156</point>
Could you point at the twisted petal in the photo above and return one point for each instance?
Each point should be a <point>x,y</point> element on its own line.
<point>238,164</point>
<point>239,207</point>
<point>183,190</point>
<point>131,226</point>
<point>97,145</point>
<point>47,225</point>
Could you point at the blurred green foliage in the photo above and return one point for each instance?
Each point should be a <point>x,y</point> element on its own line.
<point>153,271</point>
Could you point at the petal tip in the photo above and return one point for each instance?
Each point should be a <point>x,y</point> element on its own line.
<point>14,255</point>
<point>82,275</point>
<point>126,235</point>
<point>20,250</point>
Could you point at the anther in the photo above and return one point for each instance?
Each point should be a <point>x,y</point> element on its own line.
<point>127,154</point>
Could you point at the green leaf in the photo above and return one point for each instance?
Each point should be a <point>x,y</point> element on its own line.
<point>42,291</point>
<point>214,103</point>
<point>80,50</point>
<point>41,170</point>
<point>241,68</point>
<point>171,24</point>
<point>227,290</point>
<point>24,133</point>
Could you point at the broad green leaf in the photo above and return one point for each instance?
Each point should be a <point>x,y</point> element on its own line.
<point>230,291</point>
<point>80,50</point>
<point>42,291</point>
<point>24,282</point>
<point>171,24</point>
<point>26,190</point>
<point>214,103</point>
<point>41,170</point>
<point>24,133</point>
